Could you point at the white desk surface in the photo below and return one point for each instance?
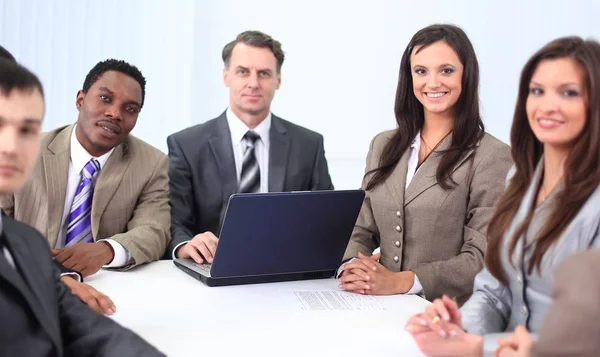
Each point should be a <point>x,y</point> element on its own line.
<point>183,317</point>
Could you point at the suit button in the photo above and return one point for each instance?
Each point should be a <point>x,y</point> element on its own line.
<point>519,280</point>
<point>399,229</point>
<point>524,310</point>
<point>397,243</point>
<point>396,258</point>
<point>398,214</point>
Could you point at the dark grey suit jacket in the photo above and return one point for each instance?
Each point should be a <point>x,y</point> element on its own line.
<point>202,172</point>
<point>39,315</point>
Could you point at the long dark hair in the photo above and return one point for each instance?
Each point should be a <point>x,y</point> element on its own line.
<point>582,166</point>
<point>468,126</point>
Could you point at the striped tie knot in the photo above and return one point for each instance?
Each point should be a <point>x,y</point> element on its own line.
<point>250,175</point>
<point>251,137</point>
<point>90,169</point>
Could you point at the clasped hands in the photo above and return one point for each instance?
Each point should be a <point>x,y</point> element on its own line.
<point>365,275</point>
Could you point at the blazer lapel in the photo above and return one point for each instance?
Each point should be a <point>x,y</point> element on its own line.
<point>108,181</point>
<point>278,154</point>
<point>28,286</point>
<point>528,202</point>
<point>220,144</point>
<point>397,180</point>
<point>56,169</point>
<point>425,177</point>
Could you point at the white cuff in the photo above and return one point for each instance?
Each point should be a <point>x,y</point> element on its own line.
<point>177,247</point>
<point>122,256</point>
<point>417,288</point>
<point>72,275</point>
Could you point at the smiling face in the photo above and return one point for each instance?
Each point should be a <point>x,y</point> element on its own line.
<point>557,102</point>
<point>108,112</point>
<point>437,77</point>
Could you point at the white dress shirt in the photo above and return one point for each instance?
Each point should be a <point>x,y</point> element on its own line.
<point>238,129</point>
<point>79,158</point>
<point>412,168</point>
<point>261,148</point>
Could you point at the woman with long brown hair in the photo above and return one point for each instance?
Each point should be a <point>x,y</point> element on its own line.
<point>548,212</point>
<point>431,184</point>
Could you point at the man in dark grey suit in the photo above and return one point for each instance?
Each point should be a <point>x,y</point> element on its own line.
<point>246,149</point>
<point>40,317</point>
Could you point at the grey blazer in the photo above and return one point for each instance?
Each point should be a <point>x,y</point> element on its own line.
<point>494,308</point>
<point>571,328</point>
<point>440,235</point>
<point>202,172</point>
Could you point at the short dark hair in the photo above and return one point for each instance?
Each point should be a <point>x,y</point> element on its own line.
<point>13,76</point>
<point>6,55</point>
<point>255,39</point>
<point>112,64</point>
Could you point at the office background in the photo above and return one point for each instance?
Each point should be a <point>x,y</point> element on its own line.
<point>342,57</point>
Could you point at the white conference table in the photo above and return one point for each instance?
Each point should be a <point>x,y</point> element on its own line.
<point>183,317</point>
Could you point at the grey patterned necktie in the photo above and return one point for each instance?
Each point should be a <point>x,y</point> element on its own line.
<point>250,176</point>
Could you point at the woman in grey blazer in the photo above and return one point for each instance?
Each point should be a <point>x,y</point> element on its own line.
<point>431,185</point>
<point>548,212</point>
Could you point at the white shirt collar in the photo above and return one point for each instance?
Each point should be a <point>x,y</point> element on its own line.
<point>80,157</point>
<point>238,128</point>
<point>416,143</point>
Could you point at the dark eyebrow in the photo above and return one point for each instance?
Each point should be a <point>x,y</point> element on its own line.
<point>33,121</point>
<point>562,85</point>
<point>265,70</point>
<point>242,67</point>
<point>104,89</point>
<point>440,66</point>
<point>27,121</point>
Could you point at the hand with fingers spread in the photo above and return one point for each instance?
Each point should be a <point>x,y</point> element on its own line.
<point>365,275</point>
<point>455,342</point>
<point>99,302</point>
<point>445,310</point>
<point>439,332</point>
<point>86,258</point>
<point>201,248</point>
<point>516,345</point>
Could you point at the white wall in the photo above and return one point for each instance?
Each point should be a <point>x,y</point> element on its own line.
<point>339,77</point>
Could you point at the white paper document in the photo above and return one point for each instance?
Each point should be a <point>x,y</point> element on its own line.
<point>332,300</point>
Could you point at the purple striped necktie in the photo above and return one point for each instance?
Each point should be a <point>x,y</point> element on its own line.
<point>80,227</point>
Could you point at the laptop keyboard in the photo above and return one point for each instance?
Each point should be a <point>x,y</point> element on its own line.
<point>203,267</point>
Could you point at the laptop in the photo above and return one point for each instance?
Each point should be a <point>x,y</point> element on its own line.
<point>285,236</point>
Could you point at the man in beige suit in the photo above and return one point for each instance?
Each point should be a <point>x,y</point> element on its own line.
<point>571,327</point>
<point>97,193</point>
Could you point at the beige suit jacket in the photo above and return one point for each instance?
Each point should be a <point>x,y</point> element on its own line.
<point>131,196</point>
<point>571,327</point>
<point>439,235</point>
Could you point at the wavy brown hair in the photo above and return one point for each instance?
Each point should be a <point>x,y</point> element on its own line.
<point>582,166</point>
<point>468,126</point>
